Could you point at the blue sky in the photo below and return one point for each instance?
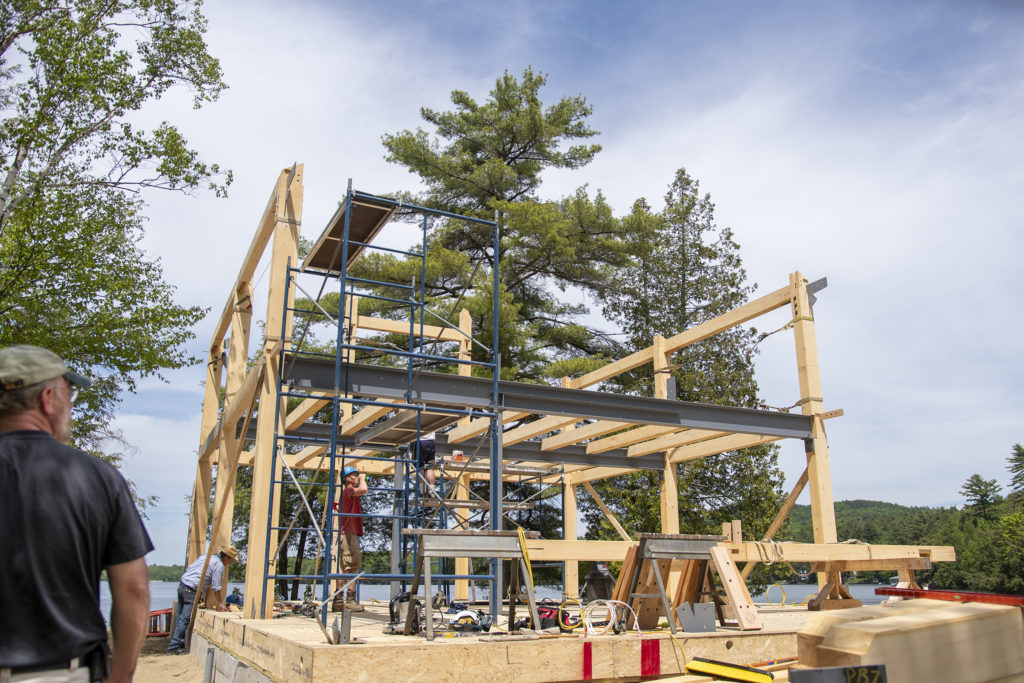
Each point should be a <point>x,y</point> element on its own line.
<point>878,144</point>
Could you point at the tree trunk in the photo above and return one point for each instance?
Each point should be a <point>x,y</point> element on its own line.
<point>282,568</point>
<point>299,554</point>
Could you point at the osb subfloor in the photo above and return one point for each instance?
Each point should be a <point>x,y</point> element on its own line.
<point>293,648</point>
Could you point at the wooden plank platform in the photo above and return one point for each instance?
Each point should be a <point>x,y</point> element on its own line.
<point>292,648</point>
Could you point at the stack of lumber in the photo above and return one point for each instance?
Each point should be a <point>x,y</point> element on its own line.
<point>920,640</point>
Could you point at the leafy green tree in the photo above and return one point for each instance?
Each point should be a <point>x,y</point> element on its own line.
<point>72,275</point>
<point>1016,467</point>
<point>688,270</point>
<point>981,494</point>
<point>487,158</point>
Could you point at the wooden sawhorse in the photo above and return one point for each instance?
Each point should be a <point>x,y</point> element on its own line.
<point>502,545</point>
<point>699,550</point>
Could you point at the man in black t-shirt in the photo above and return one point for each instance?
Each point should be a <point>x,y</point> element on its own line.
<point>66,516</point>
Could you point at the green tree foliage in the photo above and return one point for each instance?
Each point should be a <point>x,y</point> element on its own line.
<point>485,158</point>
<point>1015,464</point>
<point>687,271</point>
<point>72,275</point>
<point>981,494</point>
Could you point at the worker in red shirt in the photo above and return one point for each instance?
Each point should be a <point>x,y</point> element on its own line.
<point>354,488</point>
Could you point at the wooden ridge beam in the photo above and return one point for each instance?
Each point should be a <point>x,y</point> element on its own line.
<point>749,311</point>
<point>769,302</point>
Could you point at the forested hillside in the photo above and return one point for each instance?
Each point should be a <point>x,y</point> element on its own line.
<point>988,534</point>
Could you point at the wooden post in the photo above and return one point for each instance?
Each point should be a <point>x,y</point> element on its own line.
<point>265,496</point>
<point>199,517</point>
<point>823,515</point>
<point>462,565</point>
<point>669,477</point>
<point>238,356</point>
<point>570,532</point>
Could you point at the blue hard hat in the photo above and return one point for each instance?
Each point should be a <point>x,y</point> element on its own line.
<point>348,470</point>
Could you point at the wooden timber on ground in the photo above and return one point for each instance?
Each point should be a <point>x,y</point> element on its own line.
<point>920,641</point>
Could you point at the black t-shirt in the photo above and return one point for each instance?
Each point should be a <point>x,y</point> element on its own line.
<point>64,516</point>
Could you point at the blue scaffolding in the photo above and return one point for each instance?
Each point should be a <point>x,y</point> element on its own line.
<point>348,235</point>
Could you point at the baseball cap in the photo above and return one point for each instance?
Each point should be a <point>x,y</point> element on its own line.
<point>23,365</point>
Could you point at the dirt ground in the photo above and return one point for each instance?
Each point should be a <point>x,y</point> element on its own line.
<point>156,666</point>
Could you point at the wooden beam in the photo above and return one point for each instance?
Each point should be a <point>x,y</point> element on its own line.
<point>478,426</point>
<point>238,357</point>
<point>737,316</point>
<point>670,441</point>
<point>536,428</point>
<point>570,532</point>
<point>607,513</point>
<point>628,438</point>
<point>719,445</point>
<point>590,431</point>
<point>430,332</point>
<point>264,231</point>
<point>911,563</point>
<point>548,550</point>
<point>233,411</point>
<point>823,514</point>
<point>265,501</point>
<point>199,513</point>
<point>749,551</point>
<point>305,410</point>
<point>595,473</point>
<point>669,489</point>
<point>366,416</point>
<point>309,457</point>
<point>633,360</point>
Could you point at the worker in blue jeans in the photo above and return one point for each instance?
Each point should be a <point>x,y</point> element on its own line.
<point>215,579</point>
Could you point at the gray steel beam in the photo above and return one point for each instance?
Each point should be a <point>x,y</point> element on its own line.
<point>431,388</point>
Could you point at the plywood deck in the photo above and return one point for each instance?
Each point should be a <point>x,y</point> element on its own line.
<point>292,648</point>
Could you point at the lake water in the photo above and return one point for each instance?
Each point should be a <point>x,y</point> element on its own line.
<point>163,593</point>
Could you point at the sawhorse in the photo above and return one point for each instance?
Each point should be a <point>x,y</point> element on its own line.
<point>700,550</point>
<point>501,545</point>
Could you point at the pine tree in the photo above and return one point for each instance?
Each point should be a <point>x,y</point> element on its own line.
<point>488,157</point>
<point>1016,468</point>
<point>981,494</point>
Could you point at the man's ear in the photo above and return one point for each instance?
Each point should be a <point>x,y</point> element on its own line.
<point>49,401</point>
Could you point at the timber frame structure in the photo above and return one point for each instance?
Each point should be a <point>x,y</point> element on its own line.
<point>566,435</point>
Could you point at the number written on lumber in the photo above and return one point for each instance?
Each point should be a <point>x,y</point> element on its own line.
<point>874,673</point>
<point>868,673</point>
